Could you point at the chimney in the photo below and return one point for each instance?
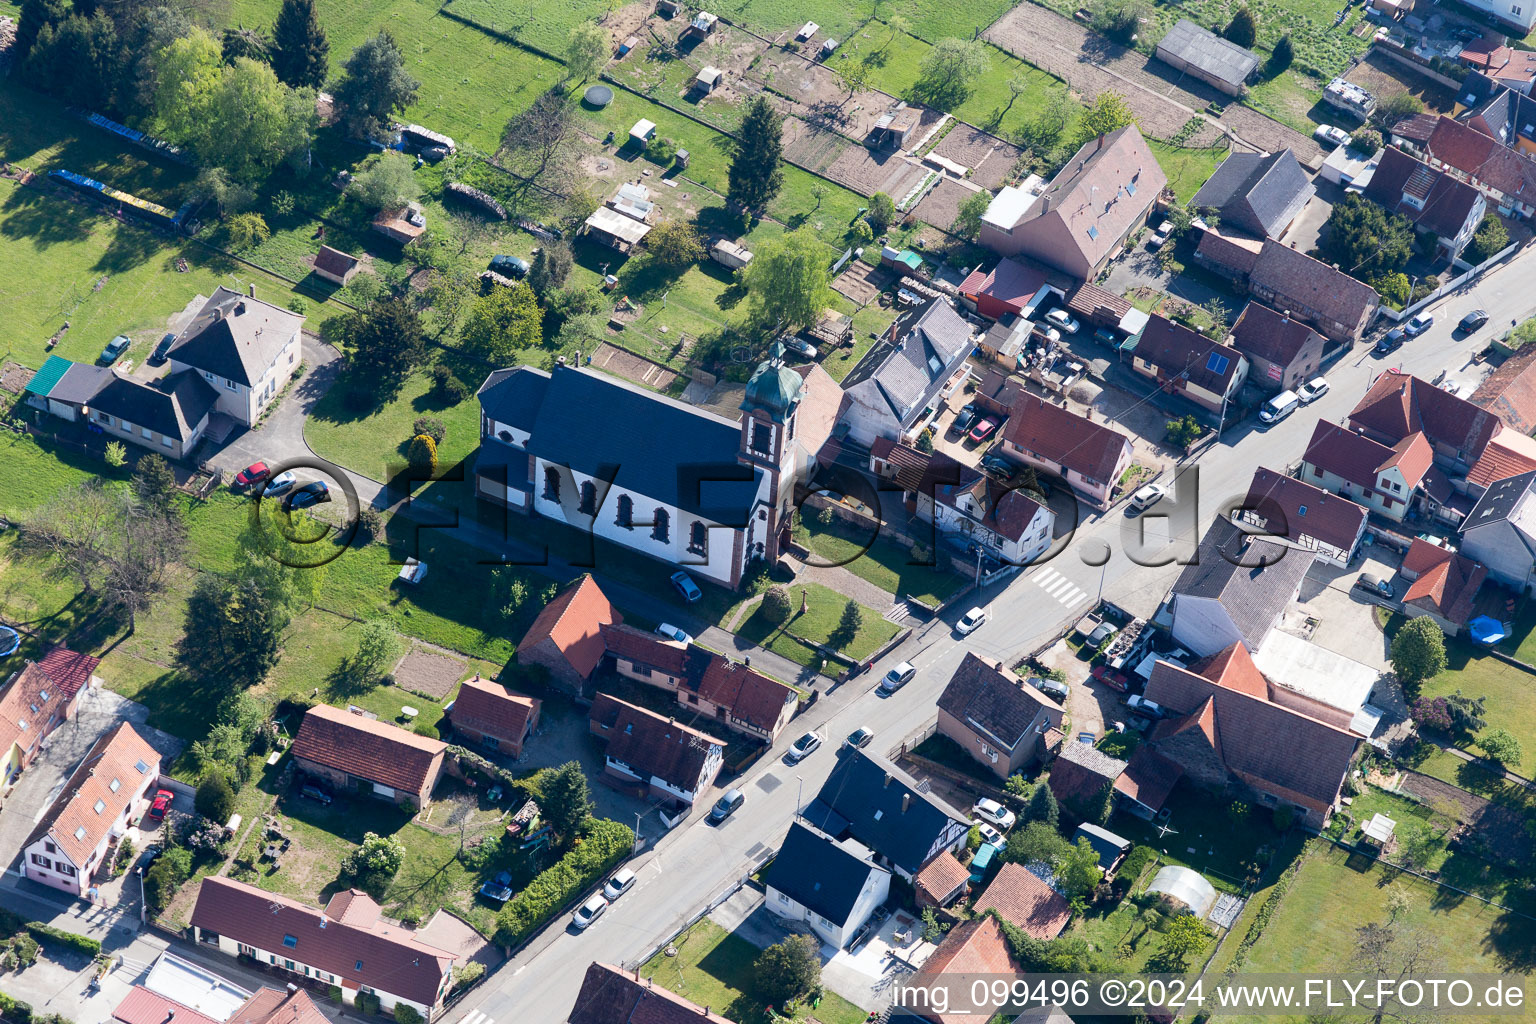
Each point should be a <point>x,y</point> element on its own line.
<point>1045,203</point>
<point>292,988</point>
<point>887,778</point>
<point>578,357</point>
<point>218,313</point>
<point>1095,149</point>
<point>906,802</point>
<point>252,289</point>
<point>239,309</point>
<point>559,360</point>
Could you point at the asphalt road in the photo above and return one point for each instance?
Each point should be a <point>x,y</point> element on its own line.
<point>1112,554</point>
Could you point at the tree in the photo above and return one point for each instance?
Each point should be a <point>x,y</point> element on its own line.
<point>75,60</point>
<point>1052,116</point>
<point>788,970</point>
<point>1281,56</point>
<point>1364,240</point>
<point>1501,747</point>
<point>373,865</point>
<point>1241,29</point>
<point>235,43</point>
<point>1467,713</point>
<point>1399,903</point>
<point>1109,112</point>
<point>861,233</point>
<point>565,799</point>
<point>215,798</point>
<point>1220,317</point>
<point>947,70</point>
<point>1184,432</point>
<point>539,142</point>
<point>1118,19</point>
<point>374,85</point>
<point>755,175</point>
<point>1042,807</point>
<point>422,455</point>
<point>1036,841</point>
<point>550,268</point>
<point>386,182</point>
<point>35,16</point>
<point>143,36</point>
<point>1367,142</point>
<point>776,605</point>
<point>968,218</point>
<point>300,52</point>
<point>377,647</point>
<point>1418,653</point>
<point>502,322</point>
<point>848,625</point>
<point>787,280</point>
<point>586,50</point>
<point>1392,952</point>
<point>1396,107</point>
<point>1185,938</point>
<point>1416,845</point>
<point>383,343</point>
<point>674,244</point>
<point>154,482</point>
<point>1078,870</point>
<point>433,427</point>
<point>882,210</point>
<point>1489,240</point>
<point>232,631</point>
<point>246,230</point>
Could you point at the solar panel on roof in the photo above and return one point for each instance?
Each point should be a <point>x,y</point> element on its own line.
<point>1217,363</point>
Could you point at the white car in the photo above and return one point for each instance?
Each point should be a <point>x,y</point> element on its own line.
<point>1312,390</point>
<point>801,347</point>
<point>1061,318</point>
<point>589,911</point>
<point>898,677</point>
<point>280,484</point>
<point>1050,334</point>
<point>803,748</point>
<point>622,881</point>
<point>671,632</point>
<point>994,813</point>
<point>1160,235</point>
<point>970,620</point>
<point>1332,135</point>
<point>1148,496</point>
<point>989,834</point>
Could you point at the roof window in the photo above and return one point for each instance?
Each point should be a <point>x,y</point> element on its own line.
<point>101,805</point>
<point>80,832</point>
<point>290,941</point>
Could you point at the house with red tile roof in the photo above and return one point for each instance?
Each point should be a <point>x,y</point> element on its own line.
<point>610,995</point>
<point>654,754</point>
<point>494,717</point>
<point>1089,455</point>
<point>1147,782</point>
<point>348,945</point>
<point>1435,202</point>
<point>994,716</point>
<point>1385,480</point>
<point>1508,454</point>
<point>358,754</point>
<point>1284,352</point>
<point>1185,362</point>
<point>1005,522</point>
<point>976,946</point>
<point>37,699</point>
<point>566,638</point>
<point>1282,278</point>
<point>1399,404</point>
<point>1304,515</point>
<point>143,1006</point>
<point>1506,176</point>
<point>1509,392</point>
<point>1010,288</point>
<point>100,801</point>
<point>942,882</point>
<point>729,693</point>
<point>1024,900</point>
<point>275,1006</point>
<point>1443,585</point>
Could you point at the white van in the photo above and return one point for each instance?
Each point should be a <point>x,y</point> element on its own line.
<point>1279,407</point>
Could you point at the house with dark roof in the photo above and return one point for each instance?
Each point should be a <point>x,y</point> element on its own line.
<point>942,882</point>
<point>1387,481</point>
<point>658,476</point>
<point>349,945</point>
<point>728,692</point>
<point>1399,404</point>
<point>1437,204</point>
<point>1500,532</point>
<point>1024,900</point>
<point>38,698</point>
<point>1304,515</point>
<point>1201,53</point>
<point>1146,783</point>
<point>831,887</point>
<point>900,385</point>
<point>168,415</point>
<point>869,799</point>
<point>100,801</point>
<point>1078,221</point>
<point>611,995</point>
<point>360,755</point>
<point>1509,392</point>
<point>335,266</point>
<point>1260,193</point>
<point>1185,362</point>
<point>1285,353</point>
<point>494,717</point>
<point>996,717</point>
<point>1443,585</point>
<point>567,636</point>
<point>64,389</point>
<point>1500,169</point>
<point>1081,777</point>
<point>1235,590</point>
<point>652,754</point>
<point>1090,456</point>
<point>1230,736</point>
<point>973,947</point>
<point>1005,522</point>
<point>244,348</point>
<point>1012,287</point>
<point>1337,305</point>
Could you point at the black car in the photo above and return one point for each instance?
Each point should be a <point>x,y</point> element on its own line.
<point>1472,321</point>
<point>314,493</point>
<point>158,355</point>
<point>1391,341</point>
<point>964,419</point>
<point>999,466</point>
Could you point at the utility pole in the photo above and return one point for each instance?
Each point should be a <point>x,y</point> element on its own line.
<point>637,827</point>
<point>978,566</point>
<point>799,790</point>
<point>143,896</point>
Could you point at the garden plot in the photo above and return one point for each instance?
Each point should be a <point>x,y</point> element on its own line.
<point>665,70</point>
<point>868,173</point>
<point>989,158</point>
<point>426,671</point>
<point>1382,77</point>
<point>941,206</point>
<point>822,96</point>
<point>814,148</point>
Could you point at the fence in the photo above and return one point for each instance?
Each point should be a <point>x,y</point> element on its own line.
<point>698,916</point>
<point>1455,283</point>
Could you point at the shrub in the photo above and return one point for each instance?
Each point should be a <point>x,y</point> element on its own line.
<point>215,798</point>
<point>1431,713</point>
<point>405,1013</point>
<point>776,604</point>
<point>604,843</point>
<point>367,1002</point>
<point>60,939</point>
<point>370,523</point>
<point>661,149</point>
<point>788,969</point>
<point>1395,288</point>
<point>423,454</point>
<point>465,975</point>
<point>433,427</point>
<point>25,948</point>
<point>1184,432</point>
<point>1285,817</point>
<point>1135,863</point>
<point>335,993</point>
<point>115,455</point>
<point>374,864</point>
<point>1281,56</point>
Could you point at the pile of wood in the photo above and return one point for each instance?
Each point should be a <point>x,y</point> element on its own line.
<point>475,197</point>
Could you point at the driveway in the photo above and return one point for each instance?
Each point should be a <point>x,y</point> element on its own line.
<point>281,435</point>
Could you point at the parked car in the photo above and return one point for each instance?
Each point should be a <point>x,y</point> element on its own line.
<point>163,800</point>
<point>316,492</point>
<point>802,748</point>
<point>801,347</point>
<point>1050,334</point>
<point>1051,688</point>
<point>151,854</point>
<point>1331,135</point>
<point>1147,496</point>
<point>253,474</point>
<point>1473,321</point>
<point>1418,325</point>
<point>1391,341</point>
<point>1142,706</point>
<point>509,266</point>
<point>983,430</point>
<point>964,419</point>
<point>1375,584</point>
<point>1312,390</point>
<point>726,806</point>
<point>897,677</point>
<point>859,738</point>
<point>671,632</point>
<point>114,350</point>
<point>279,485</point>
<point>991,811</point>
<point>622,881</point>
<point>1062,319</point>
<point>970,621</point>
<point>161,350</point>
<point>684,585</point>
<point>1160,235</point>
<point>989,832</point>
<point>498,889</point>
<point>589,911</point>
<point>315,793</point>
<point>999,465</point>
<point>1279,407</point>
<point>1106,336</point>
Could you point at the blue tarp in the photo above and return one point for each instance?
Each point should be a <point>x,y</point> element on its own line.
<point>1487,630</point>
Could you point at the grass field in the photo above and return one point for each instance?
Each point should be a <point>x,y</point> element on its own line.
<point>1187,169</point>
<point>372,443</point>
<point>1507,688</point>
<point>818,624</point>
<point>879,560</point>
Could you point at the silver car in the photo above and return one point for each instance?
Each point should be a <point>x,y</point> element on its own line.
<point>589,911</point>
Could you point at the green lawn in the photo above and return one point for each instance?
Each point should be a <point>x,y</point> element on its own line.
<point>374,442</point>
<point>713,968</point>
<point>879,560</point>
<point>1288,98</point>
<point>1187,169</point>
<point>825,610</point>
<point>1208,838</point>
<point>1509,691</point>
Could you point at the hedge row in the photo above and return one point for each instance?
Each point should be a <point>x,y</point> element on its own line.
<point>47,934</point>
<point>1267,911</point>
<point>602,844</point>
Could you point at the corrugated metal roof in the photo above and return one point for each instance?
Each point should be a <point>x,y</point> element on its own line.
<point>44,380</point>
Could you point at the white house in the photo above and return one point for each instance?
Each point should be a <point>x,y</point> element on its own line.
<point>244,347</point>
<point>833,887</point>
<point>1007,523</point>
<point>1235,590</point>
<point>97,807</point>
<point>671,760</point>
<point>900,385</point>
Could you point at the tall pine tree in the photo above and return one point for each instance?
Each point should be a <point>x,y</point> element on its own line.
<point>35,14</point>
<point>756,175</point>
<point>300,51</point>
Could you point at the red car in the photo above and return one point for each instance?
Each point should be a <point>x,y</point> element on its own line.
<point>983,430</point>
<point>162,803</point>
<point>253,474</point>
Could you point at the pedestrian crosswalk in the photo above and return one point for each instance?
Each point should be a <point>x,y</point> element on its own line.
<point>477,1017</point>
<point>1059,588</point>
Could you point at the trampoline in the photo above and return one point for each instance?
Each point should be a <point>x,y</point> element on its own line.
<point>597,96</point>
<point>9,641</point>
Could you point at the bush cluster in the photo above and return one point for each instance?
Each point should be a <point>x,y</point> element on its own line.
<point>602,845</point>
